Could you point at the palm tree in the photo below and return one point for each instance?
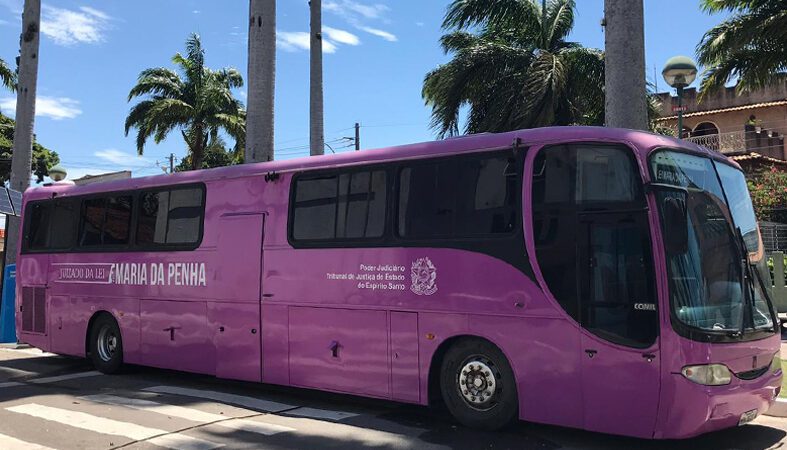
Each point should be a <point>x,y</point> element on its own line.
<point>750,46</point>
<point>200,103</point>
<point>262,80</point>
<point>21,160</point>
<point>513,68</point>
<point>316,109</point>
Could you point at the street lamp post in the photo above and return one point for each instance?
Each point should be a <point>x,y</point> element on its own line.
<point>680,72</point>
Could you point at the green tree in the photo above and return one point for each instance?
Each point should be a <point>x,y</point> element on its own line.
<point>750,46</point>
<point>768,191</point>
<point>43,158</point>
<point>216,155</point>
<point>513,67</point>
<point>197,101</point>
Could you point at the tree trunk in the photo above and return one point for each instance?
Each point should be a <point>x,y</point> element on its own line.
<point>21,160</point>
<point>626,103</point>
<point>316,131</point>
<point>198,147</point>
<point>261,82</point>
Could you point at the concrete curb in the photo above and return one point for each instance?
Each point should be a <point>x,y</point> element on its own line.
<point>15,346</point>
<point>779,408</point>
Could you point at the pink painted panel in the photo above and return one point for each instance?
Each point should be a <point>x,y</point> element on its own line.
<point>275,345</point>
<point>175,335</point>
<point>404,357</point>
<point>236,329</point>
<point>240,249</point>
<point>67,326</point>
<point>340,350</point>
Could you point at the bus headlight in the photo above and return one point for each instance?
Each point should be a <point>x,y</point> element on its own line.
<point>708,374</point>
<point>776,363</point>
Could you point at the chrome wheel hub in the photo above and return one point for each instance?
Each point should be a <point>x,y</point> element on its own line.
<point>477,382</point>
<point>107,344</point>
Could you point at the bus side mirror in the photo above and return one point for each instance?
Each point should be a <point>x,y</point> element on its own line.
<point>676,226</point>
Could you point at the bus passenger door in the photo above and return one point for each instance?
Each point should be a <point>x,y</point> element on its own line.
<point>236,319</point>
<point>618,314</point>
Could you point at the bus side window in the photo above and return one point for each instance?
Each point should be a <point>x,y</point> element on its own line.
<point>105,221</point>
<point>38,220</point>
<point>348,205</point>
<point>454,198</point>
<point>170,217</point>
<point>63,225</point>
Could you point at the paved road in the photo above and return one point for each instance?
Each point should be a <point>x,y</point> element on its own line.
<point>50,402</point>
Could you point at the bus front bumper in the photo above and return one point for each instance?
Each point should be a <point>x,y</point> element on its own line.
<point>694,409</point>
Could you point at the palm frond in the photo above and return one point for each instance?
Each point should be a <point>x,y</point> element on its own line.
<point>462,14</point>
<point>560,21</point>
<point>7,76</point>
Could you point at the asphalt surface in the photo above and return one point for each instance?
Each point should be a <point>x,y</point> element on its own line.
<point>52,402</point>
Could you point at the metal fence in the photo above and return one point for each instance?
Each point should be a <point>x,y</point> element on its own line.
<point>774,236</point>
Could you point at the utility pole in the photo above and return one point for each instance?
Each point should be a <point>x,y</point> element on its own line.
<point>21,160</point>
<point>625,103</point>
<point>316,127</point>
<point>261,82</point>
<point>357,136</point>
<point>171,163</point>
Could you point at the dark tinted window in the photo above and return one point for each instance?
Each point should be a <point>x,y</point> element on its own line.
<point>459,197</point>
<point>170,217</point>
<point>64,224</point>
<point>38,220</point>
<point>105,221</point>
<point>340,206</point>
<point>617,300</point>
<point>569,180</point>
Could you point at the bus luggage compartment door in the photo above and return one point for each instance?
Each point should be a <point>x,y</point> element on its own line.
<point>343,350</point>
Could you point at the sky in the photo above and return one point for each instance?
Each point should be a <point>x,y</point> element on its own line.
<point>376,56</point>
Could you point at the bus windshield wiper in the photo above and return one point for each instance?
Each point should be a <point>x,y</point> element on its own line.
<point>747,281</point>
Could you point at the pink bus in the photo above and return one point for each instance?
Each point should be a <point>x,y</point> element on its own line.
<point>603,279</point>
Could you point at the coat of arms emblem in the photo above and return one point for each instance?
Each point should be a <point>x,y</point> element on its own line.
<point>423,275</point>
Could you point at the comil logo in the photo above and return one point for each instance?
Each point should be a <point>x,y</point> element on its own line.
<point>423,275</point>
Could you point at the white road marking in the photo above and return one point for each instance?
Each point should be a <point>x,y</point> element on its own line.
<point>314,413</point>
<point>233,399</point>
<point>9,443</point>
<point>114,427</point>
<point>69,376</point>
<point>191,414</point>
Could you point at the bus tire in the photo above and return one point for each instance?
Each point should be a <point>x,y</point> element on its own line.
<point>478,385</point>
<point>106,345</point>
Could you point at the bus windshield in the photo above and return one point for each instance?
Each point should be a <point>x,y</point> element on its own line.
<point>711,290</point>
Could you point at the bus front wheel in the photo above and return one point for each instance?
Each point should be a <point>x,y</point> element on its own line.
<point>106,345</point>
<point>478,385</point>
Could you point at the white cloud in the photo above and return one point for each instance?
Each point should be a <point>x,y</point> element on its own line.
<point>390,37</point>
<point>196,11</point>
<point>56,108</point>
<point>340,36</point>
<point>362,15</point>
<point>293,41</point>
<point>353,9</point>
<point>124,160</point>
<point>420,24</point>
<point>69,27</point>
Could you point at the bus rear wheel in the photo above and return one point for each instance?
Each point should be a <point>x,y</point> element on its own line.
<point>106,345</point>
<point>478,385</point>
